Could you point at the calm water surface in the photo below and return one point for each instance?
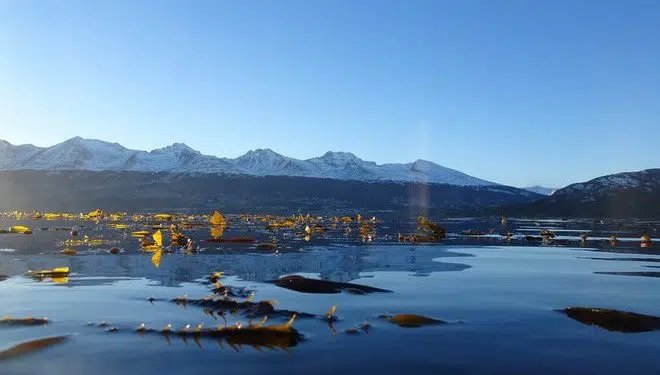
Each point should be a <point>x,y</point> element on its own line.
<point>500,302</point>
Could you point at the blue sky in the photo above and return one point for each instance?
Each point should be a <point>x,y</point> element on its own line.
<point>518,92</point>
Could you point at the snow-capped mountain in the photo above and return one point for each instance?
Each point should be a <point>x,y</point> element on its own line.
<point>540,189</point>
<point>647,180</point>
<point>95,155</point>
<point>629,194</point>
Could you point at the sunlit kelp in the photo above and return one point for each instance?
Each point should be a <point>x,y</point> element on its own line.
<point>58,216</point>
<point>58,272</point>
<point>140,233</point>
<point>613,320</point>
<point>93,215</point>
<point>155,245</point>
<point>427,231</point>
<point>31,346</point>
<point>163,217</point>
<point>21,229</point>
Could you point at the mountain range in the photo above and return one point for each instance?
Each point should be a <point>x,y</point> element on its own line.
<point>88,173</point>
<point>96,155</point>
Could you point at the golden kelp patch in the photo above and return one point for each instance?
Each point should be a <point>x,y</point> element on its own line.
<point>52,273</point>
<point>218,219</point>
<point>20,229</point>
<point>163,217</point>
<point>93,215</point>
<point>157,243</point>
<point>58,216</point>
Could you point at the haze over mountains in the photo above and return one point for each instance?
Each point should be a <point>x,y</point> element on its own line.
<point>95,155</point>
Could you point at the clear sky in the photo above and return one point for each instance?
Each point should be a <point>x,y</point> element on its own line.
<point>518,92</point>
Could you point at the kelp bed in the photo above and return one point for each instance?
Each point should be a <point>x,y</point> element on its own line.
<point>159,234</point>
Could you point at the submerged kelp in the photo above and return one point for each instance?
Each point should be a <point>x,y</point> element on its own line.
<point>613,320</point>
<point>412,320</point>
<point>31,346</point>
<point>306,285</point>
<point>28,321</point>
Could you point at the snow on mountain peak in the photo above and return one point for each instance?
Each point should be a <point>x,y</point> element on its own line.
<point>89,154</point>
<point>424,166</point>
<point>176,148</point>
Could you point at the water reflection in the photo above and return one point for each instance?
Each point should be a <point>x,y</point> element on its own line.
<point>336,264</point>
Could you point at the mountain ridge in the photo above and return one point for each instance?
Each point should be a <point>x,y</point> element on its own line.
<point>625,194</point>
<point>96,155</point>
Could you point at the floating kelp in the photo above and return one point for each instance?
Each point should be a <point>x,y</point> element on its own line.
<point>140,233</point>
<point>430,230</point>
<point>94,215</point>
<point>238,240</point>
<point>69,251</point>
<point>29,321</point>
<point>266,246</point>
<point>411,320</point>
<point>230,291</point>
<point>58,216</point>
<point>178,238</point>
<point>305,285</point>
<point>646,240</point>
<point>3,277</point>
<point>155,245</point>
<point>217,306</point>
<point>361,328</point>
<point>31,346</point>
<point>21,229</point>
<point>58,272</point>
<point>215,277</point>
<point>547,233</point>
<point>255,308</point>
<point>117,226</point>
<point>613,320</point>
<point>163,217</point>
<point>257,335</point>
<point>218,220</point>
